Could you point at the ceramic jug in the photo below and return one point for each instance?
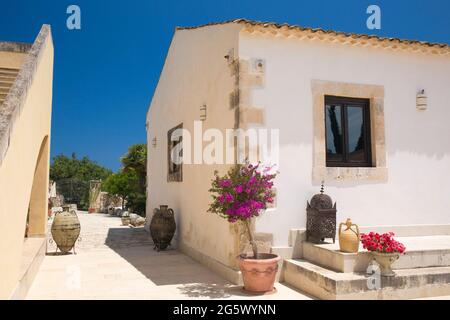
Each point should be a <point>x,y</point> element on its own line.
<point>349,237</point>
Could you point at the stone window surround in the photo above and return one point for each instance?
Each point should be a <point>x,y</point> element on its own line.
<point>320,172</point>
<point>173,176</point>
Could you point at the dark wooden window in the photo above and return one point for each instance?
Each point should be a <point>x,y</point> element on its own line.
<point>347,126</point>
<point>175,154</point>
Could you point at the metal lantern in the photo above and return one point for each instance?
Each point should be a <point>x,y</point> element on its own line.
<point>320,218</point>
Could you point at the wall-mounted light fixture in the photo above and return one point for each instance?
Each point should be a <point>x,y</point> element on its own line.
<point>154,142</point>
<point>258,65</point>
<point>203,112</point>
<point>230,56</point>
<point>422,100</point>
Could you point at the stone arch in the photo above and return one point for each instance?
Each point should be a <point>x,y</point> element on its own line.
<point>38,205</point>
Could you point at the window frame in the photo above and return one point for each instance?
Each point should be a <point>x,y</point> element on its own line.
<point>172,175</point>
<point>344,103</point>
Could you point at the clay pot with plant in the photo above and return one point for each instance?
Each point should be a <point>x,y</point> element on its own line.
<point>240,196</point>
<point>384,249</point>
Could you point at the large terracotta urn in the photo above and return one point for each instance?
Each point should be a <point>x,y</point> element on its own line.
<point>349,237</point>
<point>65,229</point>
<point>259,274</point>
<point>162,227</point>
<point>385,261</point>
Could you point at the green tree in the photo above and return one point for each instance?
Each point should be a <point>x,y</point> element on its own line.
<point>135,162</point>
<point>123,184</point>
<point>72,177</point>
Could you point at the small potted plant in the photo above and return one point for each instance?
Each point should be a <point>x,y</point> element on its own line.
<point>385,250</point>
<point>240,195</point>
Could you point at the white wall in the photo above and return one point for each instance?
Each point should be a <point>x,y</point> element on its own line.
<point>195,73</point>
<point>418,143</point>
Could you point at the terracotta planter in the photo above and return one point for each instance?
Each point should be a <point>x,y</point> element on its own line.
<point>385,261</point>
<point>259,274</point>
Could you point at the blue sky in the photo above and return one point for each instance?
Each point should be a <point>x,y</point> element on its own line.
<point>105,73</point>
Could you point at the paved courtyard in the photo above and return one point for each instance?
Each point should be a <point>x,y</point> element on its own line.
<point>117,262</point>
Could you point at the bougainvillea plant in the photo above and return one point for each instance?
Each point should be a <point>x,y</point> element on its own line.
<point>384,243</point>
<point>241,194</point>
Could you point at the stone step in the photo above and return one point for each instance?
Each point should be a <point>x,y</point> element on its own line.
<point>4,89</point>
<point>330,285</point>
<point>8,74</point>
<point>2,98</point>
<point>9,70</point>
<point>7,79</point>
<point>33,254</point>
<point>6,83</point>
<point>421,252</point>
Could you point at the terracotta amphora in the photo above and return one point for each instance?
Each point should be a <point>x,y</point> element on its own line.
<point>349,237</point>
<point>162,227</point>
<point>65,229</point>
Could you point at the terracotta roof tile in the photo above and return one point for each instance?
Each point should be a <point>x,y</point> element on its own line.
<point>441,48</point>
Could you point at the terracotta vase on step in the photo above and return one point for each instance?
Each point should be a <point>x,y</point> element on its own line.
<point>349,237</point>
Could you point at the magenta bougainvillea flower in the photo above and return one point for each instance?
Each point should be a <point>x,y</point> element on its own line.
<point>244,192</point>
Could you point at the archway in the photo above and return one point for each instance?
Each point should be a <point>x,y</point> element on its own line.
<point>38,207</point>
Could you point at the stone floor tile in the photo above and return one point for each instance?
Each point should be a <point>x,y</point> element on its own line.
<point>117,262</point>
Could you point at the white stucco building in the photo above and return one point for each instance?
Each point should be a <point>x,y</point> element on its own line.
<point>349,112</point>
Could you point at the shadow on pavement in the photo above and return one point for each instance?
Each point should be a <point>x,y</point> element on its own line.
<point>169,267</point>
<point>213,291</point>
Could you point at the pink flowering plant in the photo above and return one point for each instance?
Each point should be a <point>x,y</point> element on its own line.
<point>241,194</point>
<point>383,243</point>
